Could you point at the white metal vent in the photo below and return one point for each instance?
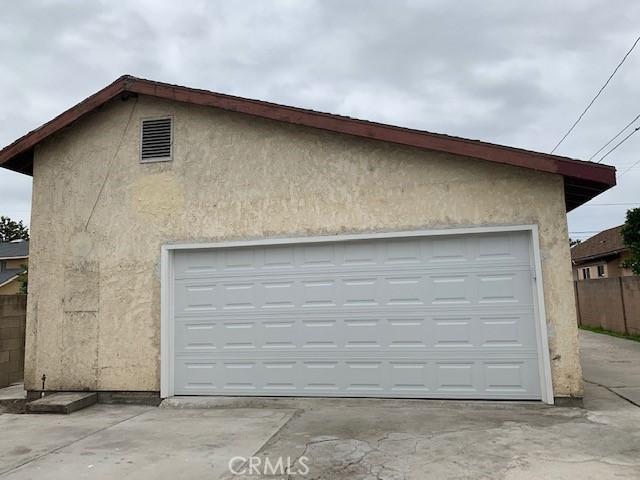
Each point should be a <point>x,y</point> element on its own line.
<point>156,140</point>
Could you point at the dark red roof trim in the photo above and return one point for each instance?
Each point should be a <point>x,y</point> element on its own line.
<point>583,180</point>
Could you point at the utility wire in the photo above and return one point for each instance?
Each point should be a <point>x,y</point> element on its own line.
<point>597,95</point>
<point>632,166</point>
<point>609,204</point>
<point>617,135</point>
<point>114,156</point>
<point>618,144</point>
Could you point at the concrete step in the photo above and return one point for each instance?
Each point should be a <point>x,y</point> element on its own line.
<point>62,402</point>
<point>13,398</point>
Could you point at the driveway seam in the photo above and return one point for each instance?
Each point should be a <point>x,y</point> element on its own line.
<point>57,449</point>
<point>295,414</point>
<point>613,391</point>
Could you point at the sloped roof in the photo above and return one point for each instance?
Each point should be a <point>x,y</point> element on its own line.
<point>608,242</point>
<point>14,249</point>
<point>9,274</point>
<point>583,180</point>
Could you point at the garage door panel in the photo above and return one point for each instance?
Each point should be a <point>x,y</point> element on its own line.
<point>362,333</point>
<point>498,249</point>
<point>195,296</point>
<point>358,377</point>
<point>319,333</point>
<point>504,331</point>
<point>404,333</point>
<point>341,271</point>
<point>506,377</point>
<point>505,287</point>
<point>410,377</point>
<point>278,293</point>
<point>315,255</point>
<point>359,291</point>
<point>234,260</point>
<point>318,292</point>
<point>278,258</point>
<point>197,376</point>
<point>452,330</point>
<point>448,316</point>
<point>447,250</point>
<point>436,252</point>
<point>279,334</point>
<point>457,376</point>
<point>196,335</point>
<point>330,290</point>
<point>404,252</point>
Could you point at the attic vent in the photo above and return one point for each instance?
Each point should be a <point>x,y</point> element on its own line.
<point>155,145</point>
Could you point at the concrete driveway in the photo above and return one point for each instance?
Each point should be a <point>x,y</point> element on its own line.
<point>613,363</point>
<point>350,439</point>
<point>106,442</point>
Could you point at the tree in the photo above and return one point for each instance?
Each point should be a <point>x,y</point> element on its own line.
<point>631,237</point>
<point>11,230</point>
<point>573,243</point>
<point>23,278</point>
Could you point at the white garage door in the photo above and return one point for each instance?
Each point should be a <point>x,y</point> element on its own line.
<point>432,317</point>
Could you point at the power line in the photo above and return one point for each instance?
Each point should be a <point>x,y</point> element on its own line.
<point>617,135</point>
<point>608,204</point>
<point>597,95</point>
<point>631,167</point>
<point>618,144</point>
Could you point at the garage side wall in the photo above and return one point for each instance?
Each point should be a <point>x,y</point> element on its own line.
<point>100,217</point>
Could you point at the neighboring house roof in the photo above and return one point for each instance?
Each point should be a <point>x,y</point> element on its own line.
<point>606,243</point>
<point>9,274</point>
<point>14,250</point>
<point>583,180</point>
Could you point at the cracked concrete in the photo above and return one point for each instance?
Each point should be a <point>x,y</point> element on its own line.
<point>612,363</point>
<point>362,439</point>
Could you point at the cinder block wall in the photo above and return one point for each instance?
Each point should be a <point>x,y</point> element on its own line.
<point>13,313</point>
<point>610,303</point>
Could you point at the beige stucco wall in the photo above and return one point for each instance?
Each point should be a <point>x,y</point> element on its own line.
<point>100,217</point>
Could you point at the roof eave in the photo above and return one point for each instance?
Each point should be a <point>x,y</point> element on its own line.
<point>583,180</point>
<point>18,156</point>
<point>612,253</point>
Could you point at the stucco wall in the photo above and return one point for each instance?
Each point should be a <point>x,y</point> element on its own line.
<point>100,217</point>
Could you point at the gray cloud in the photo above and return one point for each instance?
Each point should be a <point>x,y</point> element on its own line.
<point>506,72</point>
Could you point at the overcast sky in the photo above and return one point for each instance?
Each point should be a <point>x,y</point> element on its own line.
<point>515,73</point>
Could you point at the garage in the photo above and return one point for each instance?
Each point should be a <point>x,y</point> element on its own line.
<point>240,247</point>
<point>439,314</point>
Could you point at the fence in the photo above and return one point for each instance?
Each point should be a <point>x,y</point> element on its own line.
<point>610,303</point>
<point>13,313</point>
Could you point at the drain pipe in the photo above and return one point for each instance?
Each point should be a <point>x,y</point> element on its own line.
<point>44,379</point>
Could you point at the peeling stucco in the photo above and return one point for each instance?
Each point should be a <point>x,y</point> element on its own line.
<point>237,177</point>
